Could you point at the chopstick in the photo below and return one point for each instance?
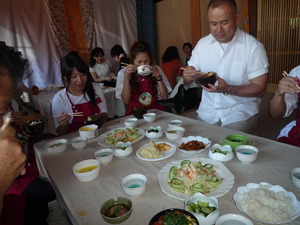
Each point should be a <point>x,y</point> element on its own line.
<point>72,114</point>
<point>6,121</point>
<point>126,64</point>
<point>285,74</point>
<point>201,73</point>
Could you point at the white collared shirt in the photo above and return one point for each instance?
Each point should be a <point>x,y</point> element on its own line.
<point>244,59</point>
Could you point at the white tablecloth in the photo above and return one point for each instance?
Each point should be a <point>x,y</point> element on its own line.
<point>43,102</point>
<point>82,201</point>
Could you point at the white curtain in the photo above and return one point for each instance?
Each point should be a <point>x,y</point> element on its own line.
<point>115,22</point>
<point>24,24</point>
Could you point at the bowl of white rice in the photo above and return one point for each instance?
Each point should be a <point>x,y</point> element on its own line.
<point>267,203</point>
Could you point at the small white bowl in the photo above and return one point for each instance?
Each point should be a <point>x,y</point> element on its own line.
<point>154,133</point>
<point>90,174</point>
<point>122,150</point>
<point>79,142</point>
<point>104,156</point>
<point>175,123</point>
<point>134,185</point>
<point>149,117</point>
<point>57,146</point>
<point>88,131</point>
<point>131,122</point>
<point>233,219</point>
<point>213,202</point>
<point>246,153</point>
<point>174,133</point>
<point>221,155</point>
<point>295,175</point>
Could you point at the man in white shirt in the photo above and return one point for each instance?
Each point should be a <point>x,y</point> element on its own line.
<point>241,65</point>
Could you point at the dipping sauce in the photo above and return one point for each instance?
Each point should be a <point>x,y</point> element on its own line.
<point>86,169</point>
<point>86,129</point>
<point>297,175</point>
<point>134,183</point>
<point>174,131</point>
<point>247,151</point>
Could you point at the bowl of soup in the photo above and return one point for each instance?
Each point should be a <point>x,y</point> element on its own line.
<point>86,170</point>
<point>56,146</point>
<point>116,210</point>
<point>88,131</point>
<point>174,133</point>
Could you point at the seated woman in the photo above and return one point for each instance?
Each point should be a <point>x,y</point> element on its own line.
<point>137,90</point>
<point>284,101</point>
<point>101,68</point>
<point>79,95</point>
<point>171,64</point>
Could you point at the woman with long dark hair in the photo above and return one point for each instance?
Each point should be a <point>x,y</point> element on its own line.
<point>142,90</point>
<point>80,94</point>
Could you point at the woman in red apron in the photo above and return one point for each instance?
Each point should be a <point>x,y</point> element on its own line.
<point>285,99</point>
<point>80,95</point>
<point>143,89</point>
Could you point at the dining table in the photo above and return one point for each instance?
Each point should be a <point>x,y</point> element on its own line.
<point>82,200</point>
<point>43,102</point>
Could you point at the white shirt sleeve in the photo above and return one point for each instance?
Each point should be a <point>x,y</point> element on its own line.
<point>120,83</point>
<point>98,91</point>
<point>165,80</point>
<point>291,100</point>
<point>60,104</point>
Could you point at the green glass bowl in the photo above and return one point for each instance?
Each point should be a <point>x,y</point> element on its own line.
<point>115,201</point>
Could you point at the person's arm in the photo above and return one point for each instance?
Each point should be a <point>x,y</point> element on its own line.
<point>63,121</point>
<point>12,160</point>
<point>278,105</point>
<point>126,92</point>
<point>163,90</point>
<point>100,79</point>
<point>102,105</point>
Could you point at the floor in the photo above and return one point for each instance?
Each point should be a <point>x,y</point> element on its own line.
<point>267,127</point>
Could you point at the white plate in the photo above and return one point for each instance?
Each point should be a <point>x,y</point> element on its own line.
<point>166,154</point>
<point>276,188</point>
<point>101,141</point>
<point>191,138</point>
<point>221,171</point>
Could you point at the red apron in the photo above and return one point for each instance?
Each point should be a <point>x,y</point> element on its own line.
<point>294,134</point>
<point>87,109</point>
<point>146,96</point>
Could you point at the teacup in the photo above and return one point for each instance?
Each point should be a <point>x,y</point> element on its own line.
<point>144,70</point>
<point>236,140</point>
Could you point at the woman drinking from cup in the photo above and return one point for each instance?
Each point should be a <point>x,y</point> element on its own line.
<point>141,83</point>
<point>80,97</point>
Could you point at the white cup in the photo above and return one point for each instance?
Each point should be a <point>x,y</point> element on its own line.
<point>144,70</point>
<point>88,131</point>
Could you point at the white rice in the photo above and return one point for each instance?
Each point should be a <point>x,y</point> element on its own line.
<point>266,205</point>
